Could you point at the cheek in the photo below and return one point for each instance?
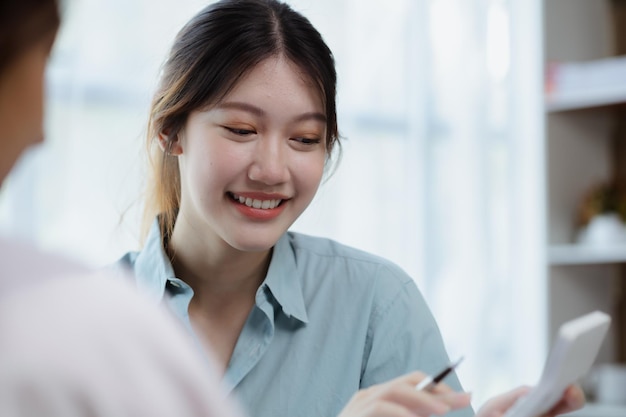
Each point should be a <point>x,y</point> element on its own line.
<point>31,97</point>
<point>21,106</point>
<point>22,100</point>
<point>212,166</point>
<point>310,171</point>
<point>205,174</point>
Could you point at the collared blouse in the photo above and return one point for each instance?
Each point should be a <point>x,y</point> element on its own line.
<point>328,320</point>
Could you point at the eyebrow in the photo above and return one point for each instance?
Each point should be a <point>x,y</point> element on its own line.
<point>236,105</point>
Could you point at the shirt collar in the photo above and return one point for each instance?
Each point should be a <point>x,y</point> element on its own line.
<point>153,267</point>
<point>284,281</point>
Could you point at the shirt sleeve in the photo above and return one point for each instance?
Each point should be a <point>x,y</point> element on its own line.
<point>89,346</point>
<point>403,335</point>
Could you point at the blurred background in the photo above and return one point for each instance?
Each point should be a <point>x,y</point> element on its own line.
<point>441,107</point>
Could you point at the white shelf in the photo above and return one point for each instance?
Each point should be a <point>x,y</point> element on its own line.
<point>581,255</point>
<point>575,100</point>
<point>599,410</point>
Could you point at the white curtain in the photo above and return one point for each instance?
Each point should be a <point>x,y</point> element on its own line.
<point>439,106</point>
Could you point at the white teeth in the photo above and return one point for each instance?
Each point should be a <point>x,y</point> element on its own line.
<point>258,204</point>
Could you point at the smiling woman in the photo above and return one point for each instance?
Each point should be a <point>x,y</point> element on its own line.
<point>435,163</point>
<point>172,103</point>
<point>242,128</point>
<point>263,142</point>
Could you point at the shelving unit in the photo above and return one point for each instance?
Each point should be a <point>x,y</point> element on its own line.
<point>577,100</point>
<point>575,254</point>
<point>585,145</point>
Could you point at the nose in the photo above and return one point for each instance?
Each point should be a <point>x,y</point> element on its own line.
<point>270,162</point>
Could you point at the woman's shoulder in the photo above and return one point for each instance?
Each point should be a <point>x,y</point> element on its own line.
<point>343,273</point>
<point>149,259</point>
<point>331,254</point>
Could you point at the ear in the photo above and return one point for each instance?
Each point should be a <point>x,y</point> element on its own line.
<point>170,144</point>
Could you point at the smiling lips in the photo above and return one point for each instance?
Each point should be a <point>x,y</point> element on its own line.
<point>257,208</point>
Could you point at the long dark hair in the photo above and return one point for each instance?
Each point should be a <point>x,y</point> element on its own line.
<point>23,23</point>
<point>210,54</point>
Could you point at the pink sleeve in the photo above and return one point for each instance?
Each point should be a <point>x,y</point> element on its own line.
<point>91,346</point>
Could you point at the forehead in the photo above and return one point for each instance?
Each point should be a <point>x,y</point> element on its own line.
<point>277,81</point>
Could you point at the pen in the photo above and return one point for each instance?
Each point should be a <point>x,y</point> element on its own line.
<point>429,382</point>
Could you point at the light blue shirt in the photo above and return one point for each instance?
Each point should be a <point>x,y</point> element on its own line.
<point>328,320</point>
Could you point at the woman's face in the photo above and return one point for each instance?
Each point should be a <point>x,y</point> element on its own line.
<point>251,164</point>
<point>21,103</point>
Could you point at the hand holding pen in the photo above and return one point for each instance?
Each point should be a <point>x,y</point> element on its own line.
<point>429,382</point>
<point>413,394</point>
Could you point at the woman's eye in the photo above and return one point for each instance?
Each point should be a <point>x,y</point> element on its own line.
<point>240,132</point>
<point>307,141</point>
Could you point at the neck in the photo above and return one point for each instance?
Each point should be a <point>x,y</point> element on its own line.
<point>216,270</point>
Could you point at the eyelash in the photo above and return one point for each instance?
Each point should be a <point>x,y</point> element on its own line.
<point>246,132</point>
<point>307,141</point>
<point>240,132</point>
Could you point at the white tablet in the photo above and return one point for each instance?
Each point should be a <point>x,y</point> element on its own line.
<point>571,357</point>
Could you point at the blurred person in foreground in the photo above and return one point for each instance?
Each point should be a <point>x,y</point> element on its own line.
<point>74,342</point>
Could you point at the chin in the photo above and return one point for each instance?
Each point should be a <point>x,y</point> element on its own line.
<point>254,245</point>
<point>255,238</point>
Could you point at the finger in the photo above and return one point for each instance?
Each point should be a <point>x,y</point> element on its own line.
<point>388,409</point>
<point>412,378</point>
<point>496,406</point>
<point>406,396</point>
<point>423,401</point>
<point>573,399</point>
<point>415,378</point>
<point>442,389</point>
<point>456,400</point>
<point>509,398</point>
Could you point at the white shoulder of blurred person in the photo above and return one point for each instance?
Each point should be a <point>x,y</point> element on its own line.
<point>74,342</point>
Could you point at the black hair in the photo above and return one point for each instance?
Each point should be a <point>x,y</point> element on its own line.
<point>209,55</point>
<point>23,23</point>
